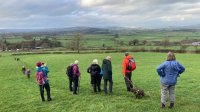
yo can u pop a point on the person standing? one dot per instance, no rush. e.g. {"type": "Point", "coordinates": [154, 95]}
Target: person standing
{"type": "Point", "coordinates": [23, 69]}
{"type": "Point", "coordinates": [76, 75]}
{"type": "Point", "coordinates": [107, 74]}
{"type": "Point", "coordinates": [69, 73]}
{"type": "Point", "coordinates": [168, 71]}
{"type": "Point", "coordinates": [42, 81]}
{"type": "Point", "coordinates": [95, 70]}
{"type": "Point", "coordinates": [28, 73]}
{"type": "Point", "coordinates": [128, 65]}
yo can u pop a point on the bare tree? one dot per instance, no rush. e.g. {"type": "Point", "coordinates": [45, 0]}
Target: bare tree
{"type": "Point", "coordinates": [166, 42]}
{"type": "Point", "coordinates": [77, 42]}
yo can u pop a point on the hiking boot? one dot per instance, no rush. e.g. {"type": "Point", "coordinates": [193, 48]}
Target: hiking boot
{"type": "Point", "coordinates": [74, 93]}
{"type": "Point", "coordinates": [49, 99]}
{"type": "Point", "coordinates": [171, 105]}
{"type": "Point", "coordinates": [163, 106]}
{"type": "Point", "coordinates": [43, 100]}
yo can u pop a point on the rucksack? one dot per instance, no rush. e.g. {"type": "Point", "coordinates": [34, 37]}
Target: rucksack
{"type": "Point", "coordinates": [40, 78]}
{"type": "Point", "coordinates": [131, 64]}
{"type": "Point", "coordinates": [69, 71]}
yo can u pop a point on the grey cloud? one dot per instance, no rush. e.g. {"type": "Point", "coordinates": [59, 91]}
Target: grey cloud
{"type": "Point", "coordinates": [55, 13]}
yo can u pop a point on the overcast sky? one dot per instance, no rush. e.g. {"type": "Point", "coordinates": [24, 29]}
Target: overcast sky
{"type": "Point", "coordinates": [98, 13]}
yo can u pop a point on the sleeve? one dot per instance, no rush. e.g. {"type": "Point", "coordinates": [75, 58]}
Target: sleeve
{"type": "Point", "coordinates": [123, 67]}
{"type": "Point", "coordinates": [181, 68]}
{"type": "Point", "coordinates": [89, 70]}
{"type": "Point", "coordinates": [109, 68]}
{"type": "Point", "coordinates": [160, 70]}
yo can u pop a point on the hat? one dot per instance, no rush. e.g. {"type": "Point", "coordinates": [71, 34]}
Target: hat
{"type": "Point", "coordinates": [95, 61]}
{"type": "Point", "coordinates": [76, 62]}
{"type": "Point", "coordinates": [38, 64]}
{"type": "Point", "coordinates": [126, 53]}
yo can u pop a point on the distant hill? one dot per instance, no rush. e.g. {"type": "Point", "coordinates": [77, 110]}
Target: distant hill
{"type": "Point", "coordinates": [92, 30]}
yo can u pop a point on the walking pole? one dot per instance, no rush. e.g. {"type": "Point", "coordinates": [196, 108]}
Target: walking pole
{"type": "Point", "coordinates": [79, 83]}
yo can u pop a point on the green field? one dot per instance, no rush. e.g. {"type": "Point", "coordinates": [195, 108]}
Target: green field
{"type": "Point", "coordinates": [17, 93]}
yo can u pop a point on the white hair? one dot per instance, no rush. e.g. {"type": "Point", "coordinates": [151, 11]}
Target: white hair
{"type": "Point", "coordinates": [108, 57]}
{"type": "Point", "coordinates": [95, 61]}
{"type": "Point", "coordinates": [76, 62]}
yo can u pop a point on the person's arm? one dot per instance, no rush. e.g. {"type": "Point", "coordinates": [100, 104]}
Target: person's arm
{"type": "Point", "coordinates": [181, 68]}
{"type": "Point", "coordinates": [123, 67]}
{"type": "Point", "coordinates": [89, 69]}
{"type": "Point", "coordinates": [160, 70]}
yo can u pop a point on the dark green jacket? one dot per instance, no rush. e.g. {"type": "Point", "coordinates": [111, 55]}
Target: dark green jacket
{"type": "Point", "coordinates": [107, 69]}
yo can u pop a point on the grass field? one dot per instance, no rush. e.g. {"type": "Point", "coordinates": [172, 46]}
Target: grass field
{"type": "Point", "coordinates": [17, 93]}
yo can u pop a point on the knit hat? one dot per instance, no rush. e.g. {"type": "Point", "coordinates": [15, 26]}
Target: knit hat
{"type": "Point", "coordinates": [38, 64]}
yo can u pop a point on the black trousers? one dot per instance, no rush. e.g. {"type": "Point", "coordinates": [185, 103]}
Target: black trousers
{"type": "Point", "coordinates": [75, 79]}
{"type": "Point", "coordinates": [110, 85]}
{"type": "Point", "coordinates": [92, 80]}
{"type": "Point", "coordinates": [96, 83]}
{"type": "Point", "coordinates": [47, 87]}
{"type": "Point", "coordinates": [99, 82]}
{"type": "Point", "coordinates": [127, 81]}
{"type": "Point", "coordinates": [70, 83]}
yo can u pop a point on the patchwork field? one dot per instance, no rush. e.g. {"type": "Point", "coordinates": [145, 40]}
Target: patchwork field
{"type": "Point", "coordinates": [17, 93]}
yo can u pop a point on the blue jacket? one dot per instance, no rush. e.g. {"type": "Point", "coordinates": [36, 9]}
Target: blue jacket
{"type": "Point", "coordinates": [169, 71]}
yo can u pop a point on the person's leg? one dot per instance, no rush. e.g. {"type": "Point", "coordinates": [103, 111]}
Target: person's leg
{"type": "Point", "coordinates": [41, 87]}
{"type": "Point", "coordinates": [99, 83]}
{"type": "Point", "coordinates": [95, 79]}
{"type": "Point", "coordinates": [92, 79]}
{"type": "Point", "coordinates": [28, 76]}
{"type": "Point", "coordinates": [164, 89]}
{"type": "Point", "coordinates": [105, 86]}
{"type": "Point", "coordinates": [47, 87]}
{"type": "Point", "coordinates": [128, 81]}
{"type": "Point", "coordinates": [172, 95]}
{"type": "Point", "coordinates": [70, 83]}
{"type": "Point", "coordinates": [110, 85]}
{"type": "Point", "coordinates": [75, 84]}
{"type": "Point", "coordinates": [129, 76]}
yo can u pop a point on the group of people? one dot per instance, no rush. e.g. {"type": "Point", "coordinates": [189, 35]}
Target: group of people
{"type": "Point", "coordinates": [168, 71]}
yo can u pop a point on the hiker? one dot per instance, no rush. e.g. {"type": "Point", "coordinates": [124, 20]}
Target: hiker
{"type": "Point", "coordinates": [76, 75]}
{"type": "Point", "coordinates": [107, 74]}
{"type": "Point", "coordinates": [42, 81]}
{"type": "Point", "coordinates": [28, 72]}
{"type": "Point", "coordinates": [69, 73]}
{"type": "Point", "coordinates": [128, 65]}
{"type": "Point", "coordinates": [46, 69]}
{"type": "Point", "coordinates": [23, 69]}
{"type": "Point", "coordinates": [95, 70]}
{"type": "Point", "coordinates": [168, 71]}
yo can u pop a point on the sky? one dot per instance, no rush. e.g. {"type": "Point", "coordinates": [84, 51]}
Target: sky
{"type": "Point", "coordinates": [98, 13]}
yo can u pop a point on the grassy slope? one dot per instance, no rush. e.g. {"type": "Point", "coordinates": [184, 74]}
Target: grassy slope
{"type": "Point", "coordinates": [17, 93]}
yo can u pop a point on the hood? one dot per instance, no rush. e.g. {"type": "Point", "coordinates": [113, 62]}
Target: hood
{"type": "Point", "coordinates": [174, 65]}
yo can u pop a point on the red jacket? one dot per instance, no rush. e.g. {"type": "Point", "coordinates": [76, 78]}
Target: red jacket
{"type": "Point", "coordinates": [125, 64]}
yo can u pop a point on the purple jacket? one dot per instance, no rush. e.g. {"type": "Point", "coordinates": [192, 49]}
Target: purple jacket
{"type": "Point", "coordinates": [76, 71]}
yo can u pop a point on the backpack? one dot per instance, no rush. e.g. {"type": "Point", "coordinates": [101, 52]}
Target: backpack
{"type": "Point", "coordinates": [40, 78]}
{"type": "Point", "coordinates": [131, 64]}
{"type": "Point", "coordinates": [69, 71]}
